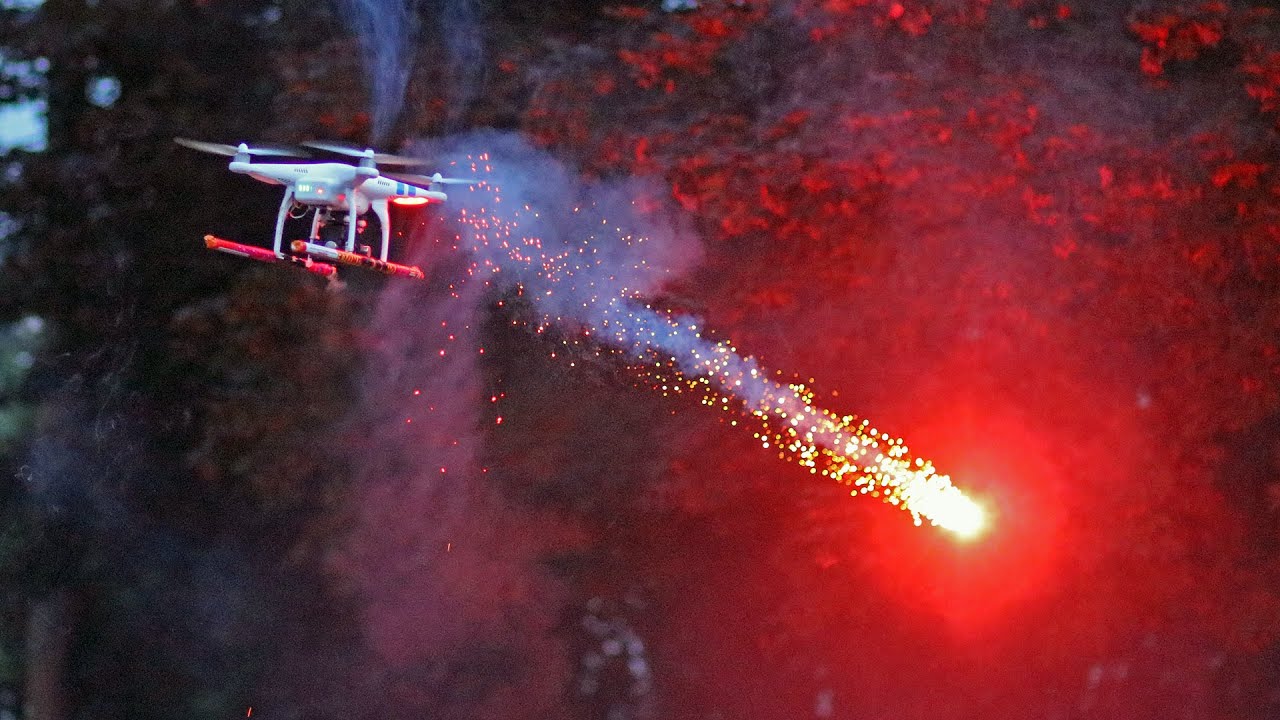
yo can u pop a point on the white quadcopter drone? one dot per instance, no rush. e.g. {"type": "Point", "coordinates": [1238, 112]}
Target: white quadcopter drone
{"type": "Point", "coordinates": [338, 193]}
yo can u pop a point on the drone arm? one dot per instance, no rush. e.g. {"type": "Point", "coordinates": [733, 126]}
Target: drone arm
{"type": "Point", "coordinates": [316, 223]}
{"type": "Point", "coordinates": [364, 173]}
{"type": "Point", "coordinates": [260, 177]}
{"type": "Point", "coordinates": [381, 209]}
{"type": "Point", "coordinates": [285, 204]}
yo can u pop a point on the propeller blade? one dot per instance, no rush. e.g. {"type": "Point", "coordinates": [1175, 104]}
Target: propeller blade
{"type": "Point", "coordinates": [428, 179]}
{"type": "Point", "coordinates": [215, 148]}
{"type": "Point", "coordinates": [232, 150]}
{"type": "Point", "coordinates": [358, 152]}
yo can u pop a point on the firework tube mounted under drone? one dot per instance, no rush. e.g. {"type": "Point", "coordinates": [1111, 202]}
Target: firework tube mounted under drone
{"type": "Point", "coordinates": [264, 255]}
{"type": "Point", "coordinates": [357, 260]}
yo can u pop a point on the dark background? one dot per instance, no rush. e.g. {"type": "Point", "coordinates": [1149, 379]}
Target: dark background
{"type": "Point", "coordinates": [1039, 240]}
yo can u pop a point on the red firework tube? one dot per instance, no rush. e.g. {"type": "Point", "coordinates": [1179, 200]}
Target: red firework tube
{"type": "Point", "coordinates": [350, 258]}
{"type": "Point", "coordinates": [234, 248]}
{"type": "Point", "coordinates": [254, 252]}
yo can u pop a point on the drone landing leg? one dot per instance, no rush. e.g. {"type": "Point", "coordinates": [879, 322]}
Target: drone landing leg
{"type": "Point", "coordinates": [284, 212]}
{"type": "Point", "coordinates": [384, 224]}
{"type": "Point", "coordinates": [316, 223]}
{"type": "Point", "coordinates": [351, 223]}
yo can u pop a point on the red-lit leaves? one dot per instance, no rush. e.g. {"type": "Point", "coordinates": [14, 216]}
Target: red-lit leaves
{"type": "Point", "coordinates": [1054, 277]}
{"type": "Point", "coordinates": [1262, 70]}
{"type": "Point", "coordinates": [1173, 38]}
{"type": "Point", "coordinates": [688, 45]}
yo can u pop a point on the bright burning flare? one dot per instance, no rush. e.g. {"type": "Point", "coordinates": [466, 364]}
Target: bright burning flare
{"type": "Point", "coordinates": [960, 515]}
{"type": "Point", "coordinates": [841, 447]}
{"type": "Point", "coordinates": [570, 282]}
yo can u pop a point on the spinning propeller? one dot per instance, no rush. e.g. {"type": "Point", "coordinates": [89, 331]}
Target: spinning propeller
{"type": "Point", "coordinates": [365, 154]}
{"type": "Point", "coordinates": [436, 179]}
{"type": "Point", "coordinates": [242, 149]}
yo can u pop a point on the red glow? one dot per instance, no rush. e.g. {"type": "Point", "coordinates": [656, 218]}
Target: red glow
{"type": "Point", "coordinates": [1025, 477]}
{"type": "Point", "coordinates": [411, 201]}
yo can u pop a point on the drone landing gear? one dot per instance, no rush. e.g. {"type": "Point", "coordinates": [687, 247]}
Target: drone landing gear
{"type": "Point", "coordinates": [333, 233]}
{"type": "Point", "coordinates": [323, 250]}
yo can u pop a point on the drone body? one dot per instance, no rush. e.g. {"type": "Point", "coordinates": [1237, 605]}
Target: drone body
{"type": "Point", "coordinates": [338, 194]}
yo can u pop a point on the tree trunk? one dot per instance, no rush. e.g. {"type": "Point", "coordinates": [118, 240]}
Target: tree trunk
{"type": "Point", "coordinates": [48, 639]}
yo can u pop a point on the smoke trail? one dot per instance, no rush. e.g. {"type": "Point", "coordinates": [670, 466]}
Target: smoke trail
{"type": "Point", "coordinates": [427, 528]}
{"type": "Point", "coordinates": [464, 42]}
{"type": "Point", "coordinates": [531, 224]}
{"type": "Point", "coordinates": [577, 246]}
{"type": "Point", "coordinates": [386, 30]}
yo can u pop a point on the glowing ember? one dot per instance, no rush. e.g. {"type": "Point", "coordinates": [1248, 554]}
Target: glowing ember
{"type": "Point", "coordinates": [843, 448]}
{"type": "Point", "coordinates": [572, 285]}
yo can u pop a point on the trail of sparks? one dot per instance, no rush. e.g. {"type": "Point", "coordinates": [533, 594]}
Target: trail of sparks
{"type": "Point", "coordinates": [572, 285]}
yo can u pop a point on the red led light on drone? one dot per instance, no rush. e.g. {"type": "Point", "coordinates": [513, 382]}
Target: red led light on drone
{"type": "Point", "coordinates": [411, 201]}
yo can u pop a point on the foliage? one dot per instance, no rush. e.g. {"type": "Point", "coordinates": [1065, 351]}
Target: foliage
{"type": "Point", "coordinates": [1039, 239]}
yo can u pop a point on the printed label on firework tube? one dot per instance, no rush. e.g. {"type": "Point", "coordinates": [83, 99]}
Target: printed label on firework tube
{"type": "Point", "coordinates": [356, 260]}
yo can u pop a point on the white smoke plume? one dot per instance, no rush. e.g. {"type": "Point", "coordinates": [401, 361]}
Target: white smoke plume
{"type": "Point", "coordinates": [386, 30]}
